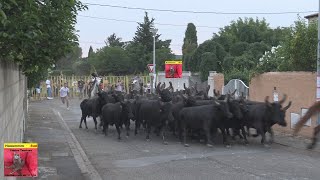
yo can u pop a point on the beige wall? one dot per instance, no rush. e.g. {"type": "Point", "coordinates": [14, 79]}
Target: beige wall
{"type": "Point", "coordinates": [216, 81]}
{"type": "Point", "coordinates": [13, 106]}
{"type": "Point", "coordinates": [300, 88]}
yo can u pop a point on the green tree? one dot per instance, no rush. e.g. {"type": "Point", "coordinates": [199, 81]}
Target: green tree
{"type": "Point", "coordinates": [301, 46]}
{"type": "Point", "coordinates": [207, 46]}
{"type": "Point", "coordinates": [82, 67]}
{"type": "Point", "coordinates": [114, 41]}
{"type": "Point", "coordinates": [90, 52]}
{"type": "Point", "coordinates": [209, 62]}
{"type": "Point", "coordinates": [190, 44]}
{"type": "Point", "coordinates": [66, 62]}
{"type": "Point", "coordinates": [141, 48]}
{"type": "Point", "coordinates": [35, 34]}
{"type": "Point", "coordinates": [111, 60]}
{"type": "Point", "coordinates": [144, 35]}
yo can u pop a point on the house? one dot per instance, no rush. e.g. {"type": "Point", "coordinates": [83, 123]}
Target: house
{"type": "Point", "coordinates": [312, 18]}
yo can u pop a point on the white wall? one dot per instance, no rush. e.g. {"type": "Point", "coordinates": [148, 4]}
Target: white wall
{"type": "Point", "coordinates": [13, 102]}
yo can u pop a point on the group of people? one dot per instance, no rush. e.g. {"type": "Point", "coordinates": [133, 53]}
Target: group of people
{"type": "Point", "coordinates": [83, 88]}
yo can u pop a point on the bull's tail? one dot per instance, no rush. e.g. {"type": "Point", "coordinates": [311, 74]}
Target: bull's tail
{"type": "Point", "coordinates": [312, 110]}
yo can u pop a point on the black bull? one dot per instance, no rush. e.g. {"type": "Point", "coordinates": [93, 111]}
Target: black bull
{"type": "Point", "coordinates": [262, 116]}
{"type": "Point", "coordinates": [206, 117]}
{"type": "Point", "coordinates": [117, 114]}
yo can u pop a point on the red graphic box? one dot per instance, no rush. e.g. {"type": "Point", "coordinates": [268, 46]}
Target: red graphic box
{"type": "Point", "coordinates": [173, 69]}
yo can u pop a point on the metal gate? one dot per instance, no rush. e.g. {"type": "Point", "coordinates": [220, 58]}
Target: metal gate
{"type": "Point", "coordinates": [236, 84]}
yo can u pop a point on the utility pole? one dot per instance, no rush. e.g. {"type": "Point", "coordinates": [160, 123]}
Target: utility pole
{"type": "Point", "coordinates": [318, 63]}
{"type": "Point", "coordinates": [154, 32]}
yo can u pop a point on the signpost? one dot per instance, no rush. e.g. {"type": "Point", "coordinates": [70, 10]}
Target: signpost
{"type": "Point", "coordinates": [150, 67]}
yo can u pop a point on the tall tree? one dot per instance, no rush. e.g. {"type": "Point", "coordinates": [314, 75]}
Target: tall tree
{"type": "Point", "coordinates": [190, 44]}
{"type": "Point", "coordinates": [114, 41]}
{"type": "Point", "coordinates": [141, 48]}
{"type": "Point", "coordinates": [66, 62]}
{"type": "Point", "coordinates": [90, 52]}
{"type": "Point", "coordinates": [144, 35]}
{"type": "Point", "coordinates": [35, 34]}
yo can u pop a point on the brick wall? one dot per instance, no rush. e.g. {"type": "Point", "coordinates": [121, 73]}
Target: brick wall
{"type": "Point", "coordinates": [300, 88]}
{"type": "Point", "coordinates": [13, 102]}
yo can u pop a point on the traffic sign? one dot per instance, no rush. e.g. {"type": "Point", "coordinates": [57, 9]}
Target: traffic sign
{"type": "Point", "coordinates": [150, 67]}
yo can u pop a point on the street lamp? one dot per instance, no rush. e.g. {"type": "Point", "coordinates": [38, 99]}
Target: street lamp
{"type": "Point", "coordinates": [318, 63]}
{"type": "Point", "coordinates": [154, 32]}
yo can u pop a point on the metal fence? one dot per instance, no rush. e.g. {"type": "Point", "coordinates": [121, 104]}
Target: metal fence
{"type": "Point", "coordinates": [236, 84]}
{"type": "Point", "coordinates": [58, 81]}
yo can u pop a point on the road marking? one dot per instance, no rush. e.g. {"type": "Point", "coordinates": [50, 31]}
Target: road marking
{"type": "Point", "coordinates": [78, 153]}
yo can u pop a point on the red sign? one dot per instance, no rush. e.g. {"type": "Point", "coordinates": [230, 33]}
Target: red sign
{"type": "Point", "coordinates": [150, 67]}
{"type": "Point", "coordinates": [173, 69]}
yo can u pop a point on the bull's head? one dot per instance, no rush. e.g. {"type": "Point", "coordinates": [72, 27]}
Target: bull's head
{"type": "Point", "coordinates": [166, 111]}
{"type": "Point", "coordinates": [235, 109]}
{"type": "Point", "coordinates": [275, 111]}
{"type": "Point", "coordinates": [224, 106]}
{"type": "Point", "coordinates": [127, 109]}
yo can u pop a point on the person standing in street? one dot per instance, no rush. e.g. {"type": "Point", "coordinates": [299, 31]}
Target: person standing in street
{"type": "Point", "coordinates": [80, 86]}
{"type": "Point", "coordinates": [64, 94]}
{"type": "Point", "coordinates": [119, 86]}
{"type": "Point", "coordinates": [49, 90]}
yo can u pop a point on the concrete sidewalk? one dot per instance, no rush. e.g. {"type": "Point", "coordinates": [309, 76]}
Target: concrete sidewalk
{"type": "Point", "coordinates": [56, 158]}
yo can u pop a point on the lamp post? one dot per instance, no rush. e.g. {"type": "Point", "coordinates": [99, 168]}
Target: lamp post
{"type": "Point", "coordinates": [154, 32]}
{"type": "Point", "coordinates": [318, 63]}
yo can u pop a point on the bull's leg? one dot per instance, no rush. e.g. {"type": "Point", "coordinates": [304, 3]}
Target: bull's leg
{"type": "Point", "coordinates": [224, 137]}
{"type": "Point", "coordinates": [101, 122]}
{"type": "Point", "coordinates": [248, 131]}
{"type": "Point", "coordinates": [185, 137]}
{"type": "Point", "coordinates": [244, 135]}
{"type": "Point", "coordinates": [128, 128]}
{"type": "Point", "coordinates": [137, 123]}
{"type": "Point", "coordinates": [85, 122]}
{"type": "Point", "coordinates": [95, 123]}
{"type": "Point", "coordinates": [164, 129]}
{"type": "Point", "coordinates": [314, 138]}
{"type": "Point", "coordinates": [271, 135]}
{"type": "Point", "coordinates": [263, 136]}
{"type": "Point", "coordinates": [148, 126]}
{"type": "Point", "coordinates": [80, 126]}
{"type": "Point", "coordinates": [105, 128]}
{"type": "Point", "coordinates": [227, 131]}
{"type": "Point", "coordinates": [208, 136]}
{"type": "Point", "coordinates": [119, 131]}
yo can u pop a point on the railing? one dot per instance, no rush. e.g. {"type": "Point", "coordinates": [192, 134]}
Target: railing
{"type": "Point", "coordinates": [58, 81]}
{"type": "Point", "coordinates": [236, 84]}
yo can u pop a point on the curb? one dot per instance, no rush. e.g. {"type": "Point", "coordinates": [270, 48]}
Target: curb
{"type": "Point", "coordinates": [79, 155]}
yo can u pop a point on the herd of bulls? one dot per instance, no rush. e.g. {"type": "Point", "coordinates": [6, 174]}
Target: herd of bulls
{"type": "Point", "coordinates": [185, 112]}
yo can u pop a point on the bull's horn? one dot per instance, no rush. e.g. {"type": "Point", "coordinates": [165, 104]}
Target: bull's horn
{"type": "Point", "coordinates": [287, 107]}
{"type": "Point", "coordinates": [232, 94]}
{"type": "Point", "coordinates": [226, 99]}
{"type": "Point", "coordinates": [184, 85]}
{"type": "Point", "coordinates": [163, 86]}
{"type": "Point", "coordinates": [158, 87]}
{"type": "Point", "coordinates": [216, 102]}
{"type": "Point", "coordinates": [283, 99]}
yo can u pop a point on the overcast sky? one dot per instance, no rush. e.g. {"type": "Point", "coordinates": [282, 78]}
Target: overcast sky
{"type": "Point", "coordinates": [93, 31]}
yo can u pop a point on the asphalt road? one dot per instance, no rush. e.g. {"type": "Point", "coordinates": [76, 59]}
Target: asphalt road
{"type": "Point", "coordinates": [136, 158]}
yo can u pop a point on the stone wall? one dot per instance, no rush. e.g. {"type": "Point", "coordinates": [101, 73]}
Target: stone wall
{"type": "Point", "coordinates": [300, 88]}
{"type": "Point", "coordinates": [216, 81]}
{"type": "Point", "coordinates": [13, 106]}
{"type": "Point", "coordinates": [177, 83]}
